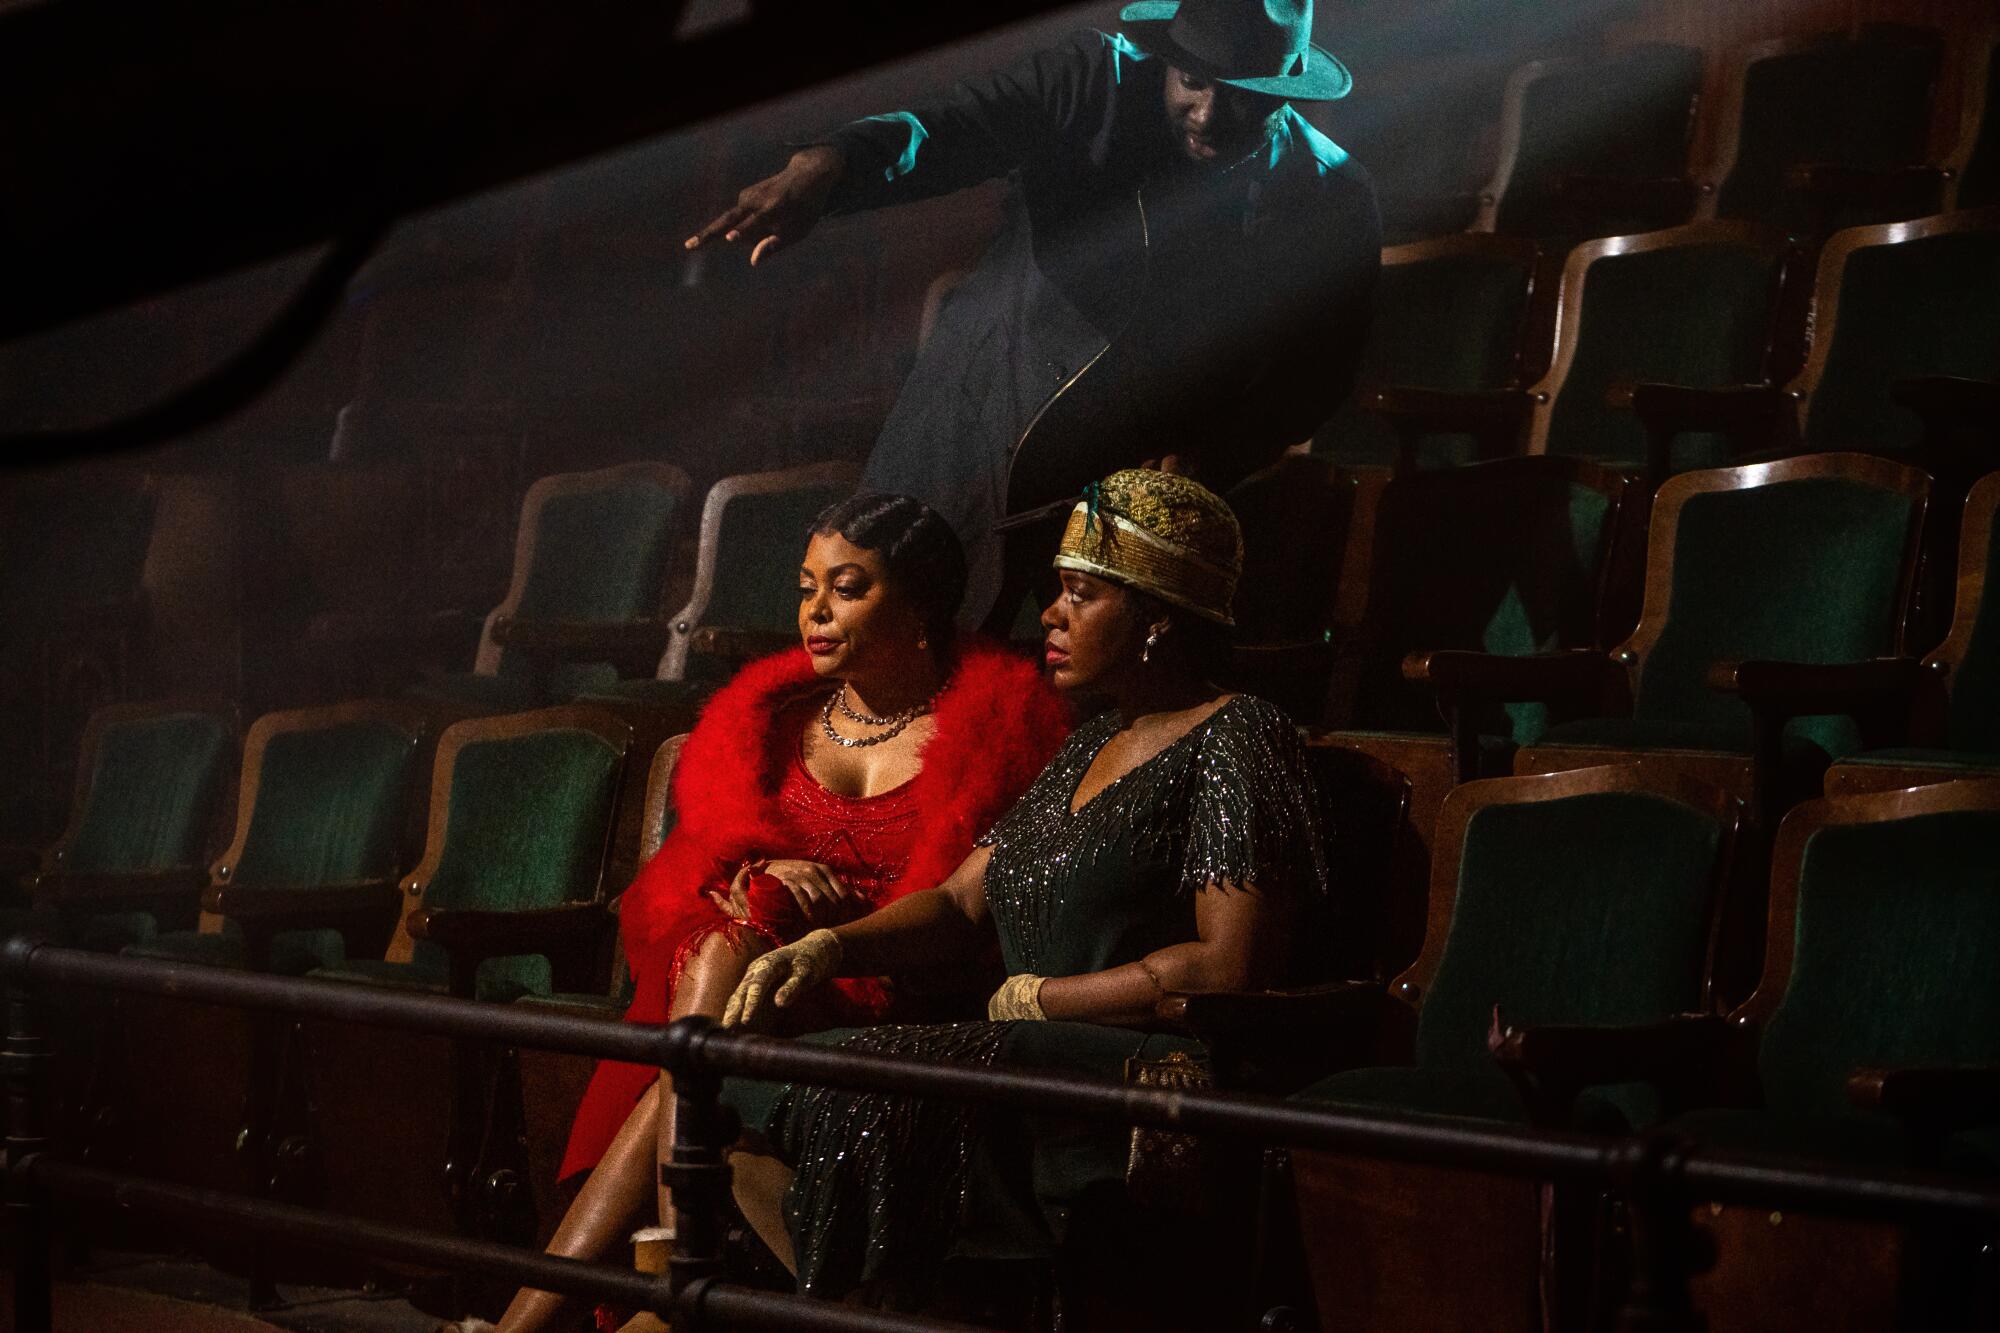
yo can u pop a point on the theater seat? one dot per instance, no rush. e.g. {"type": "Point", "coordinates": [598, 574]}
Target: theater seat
{"type": "Point", "coordinates": [1873, 1037]}
{"type": "Point", "coordinates": [552, 1082]}
{"type": "Point", "coordinates": [744, 604]}
{"type": "Point", "coordinates": [1958, 709]}
{"type": "Point", "coordinates": [587, 600]}
{"type": "Point", "coordinates": [1695, 305]}
{"type": "Point", "coordinates": [324, 822]}
{"type": "Point", "coordinates": [508, 898]}
{"type": "Point", "coordinates": [1774, 610]}
{"type": "Point", "coordinates": [1591, 894]}
{"type": "Point", "coordinates": [507, 901]}
{"type": "Point", "coordinates": [152, 781]}
{"type": "Point", "coordinates": [1451, 315]}
{"type": "Point", "coordinates": [1524, 573]}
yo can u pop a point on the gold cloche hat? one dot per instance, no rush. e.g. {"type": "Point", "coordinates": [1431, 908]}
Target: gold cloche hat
{"type": "Point", "coordinates": [1161, 533]}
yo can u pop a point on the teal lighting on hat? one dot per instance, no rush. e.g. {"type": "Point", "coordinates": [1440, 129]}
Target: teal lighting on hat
{"type": "Point", "coordinates": [1264, 46]}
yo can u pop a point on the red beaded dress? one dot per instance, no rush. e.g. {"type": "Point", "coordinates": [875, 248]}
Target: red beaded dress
{"type": "Point", "coordinates": [865, 840]}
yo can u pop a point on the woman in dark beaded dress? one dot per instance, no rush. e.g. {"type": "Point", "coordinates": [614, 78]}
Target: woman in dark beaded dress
{"type": "Point", "coordinates": [1169, 846]}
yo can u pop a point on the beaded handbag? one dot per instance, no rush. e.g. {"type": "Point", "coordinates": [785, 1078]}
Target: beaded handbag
{"type": "Point", "coordinates": [1168, 1170]}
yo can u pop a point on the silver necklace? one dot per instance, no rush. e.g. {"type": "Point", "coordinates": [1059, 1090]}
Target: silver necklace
{"type": "Point", "coordinates": [896, 722]}
{"type": "Point", "coordinates": [840, 702]}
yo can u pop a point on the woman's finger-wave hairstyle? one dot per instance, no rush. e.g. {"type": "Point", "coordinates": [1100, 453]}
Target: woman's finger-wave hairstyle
{"type": "Point", "coordinates": [922, 552]}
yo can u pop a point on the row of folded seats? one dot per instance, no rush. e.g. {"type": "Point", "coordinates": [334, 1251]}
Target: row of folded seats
{"type": "Point", "coordinates": [1489, 935]}
{"type": "Point", "coordinates": [1811, 133]}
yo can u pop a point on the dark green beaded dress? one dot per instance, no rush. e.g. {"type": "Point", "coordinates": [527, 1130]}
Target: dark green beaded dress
{"type": "Point", "coordinates": [888, 1187]}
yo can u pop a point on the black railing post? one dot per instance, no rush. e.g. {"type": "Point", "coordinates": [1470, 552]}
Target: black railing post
{"type": "Point", "coordinates": [30, 1227]}
{"type": "Point", "coordinates": [698, 1175]}
{"type": "Point", "coordinates": [1647, 1172]}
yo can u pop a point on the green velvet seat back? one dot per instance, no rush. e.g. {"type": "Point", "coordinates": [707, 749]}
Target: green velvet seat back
{"type": "Point", "coordinates": [1974, 720]}
{"type": "Point", "coordinates": [1590, 909]}
{"type": "Point", "coordinates": [757, 557]}
{"type": "Point", "coordinates": [1979, 184]}
{"type": "Point", "coordinates": [528, 817]}
{"type": "Point", "coordinates": [1807, 570]}
{"type": "Point", "coordinates": [1453, 322]}
{"type": "Point", "coordinates": [1626, 117]}
{"type": "Point", "coordinates": [1862, 103]}
{"type": "Point", "coordinates": [1785, 120]}
{"type": "Point", "coordinates": [1898, 927]}
{"type": "Point", "coordinates": [1923, 307]}
{"type": "Point", "coordinates": [151, 801]}
{"type": "Point", "coordinates": [1541, 538]}
{"type": "Point", "coordinates": [331, 806]}
{"type": "Point", "coordinates": [1698, 314]}
{"type": "Point", "coordinates": [600, 556]}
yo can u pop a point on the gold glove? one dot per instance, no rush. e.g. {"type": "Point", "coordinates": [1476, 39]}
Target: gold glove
{"type": "Point", "coordinates": [807, 962]}
{"type": "Point", "coordinates": [1019, 997]}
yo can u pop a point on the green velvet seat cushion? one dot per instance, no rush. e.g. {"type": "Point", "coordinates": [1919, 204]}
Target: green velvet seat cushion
{"type": "Point", "coordinates": [1855, 1138]}
{"type": "Point", "coordinates": [1448, 1092]}
{"type": "Point", "coordinates": [1811, 742]}
{"type": "Point", "coordinates": [1967, 761]}
{"type": "Point", "coordinates": [293, 952]}
{"type": "Point", "coordinates": [109, 932]}
{"type": "Point", "coordinates": [500, 980]}
{"type": "Point", "coordinates": [1475, 1095]}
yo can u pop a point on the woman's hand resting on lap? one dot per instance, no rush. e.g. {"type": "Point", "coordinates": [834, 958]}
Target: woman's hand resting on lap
{"type": "Point", "coordinates": [820, 896]}
{"type": "Point", "coordinates": [780, 976]}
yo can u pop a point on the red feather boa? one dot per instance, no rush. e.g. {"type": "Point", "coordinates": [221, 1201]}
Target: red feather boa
{"type": "Point", "coordinates": [998, 724]}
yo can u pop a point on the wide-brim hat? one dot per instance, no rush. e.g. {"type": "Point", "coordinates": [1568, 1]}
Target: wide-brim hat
{"type": "Point", "coordinates": [1264, 46]}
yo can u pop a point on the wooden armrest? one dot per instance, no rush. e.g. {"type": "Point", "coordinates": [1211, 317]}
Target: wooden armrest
{"type": "Point", "coordinates": [1805, 689]}
{"type": "Point", "coordinates": [63, 889]}
{"type": "Point", "coordinates": [477, 934]}
{"type": "Point", "coordinates": [1669, 198]}
{"type": "Point", "coordinates": [1912, 188]}
{"type": "Point", "coordinates": [1577, 676]}
{"type": "Point", "coordinates": [1211, 1015]}
{"type": "Point", "coordinates": [583, 640]}
{"type": "Point", "coordinates": [1674, 408]}
{"type": "Point", "coordinates": [1949, 403]}
{"type": "Point", "coordinates": [724, 641]}
{"type": "Point", "coordinates": [1685, 1057]}
{"type": "Point", "coordinates": [296, 908]}
{"type": "Point", "coordinates": [1412, 410]}
{"type": "Point", "coordinates": [1934, 1100]}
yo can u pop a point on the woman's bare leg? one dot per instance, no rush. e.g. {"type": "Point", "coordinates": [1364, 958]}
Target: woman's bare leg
{"type": "Point", "coordinates": [614, 1197]}
{"type": "Point", "coordinates": [760, 1182]}
{"type": "Point", "coordinates": [611, 1200]}
{"type": "Point", "coordinates": [706, 984]}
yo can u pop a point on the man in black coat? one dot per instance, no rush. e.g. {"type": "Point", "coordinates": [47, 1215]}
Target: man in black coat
{"type": "Point", "coordinates": [1185, 273]}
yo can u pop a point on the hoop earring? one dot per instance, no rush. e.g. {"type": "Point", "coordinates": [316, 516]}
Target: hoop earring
{"type": "Point", "coordinates": [1152, 642]}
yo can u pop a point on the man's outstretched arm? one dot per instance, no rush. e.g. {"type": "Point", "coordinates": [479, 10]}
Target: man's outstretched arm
{"type": "Point", "coordinates": [981, 129]}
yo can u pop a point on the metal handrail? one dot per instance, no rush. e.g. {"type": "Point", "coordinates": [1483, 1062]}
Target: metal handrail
{"type": "Point", "coordinates": [1660, 1175]}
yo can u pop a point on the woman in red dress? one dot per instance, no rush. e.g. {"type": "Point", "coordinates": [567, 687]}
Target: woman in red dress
{"type": "Point", "coordinates": [817, 786]}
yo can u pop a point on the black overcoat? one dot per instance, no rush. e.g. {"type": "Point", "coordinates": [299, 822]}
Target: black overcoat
{"type": "Point", "coordinates": [1245, 287]}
